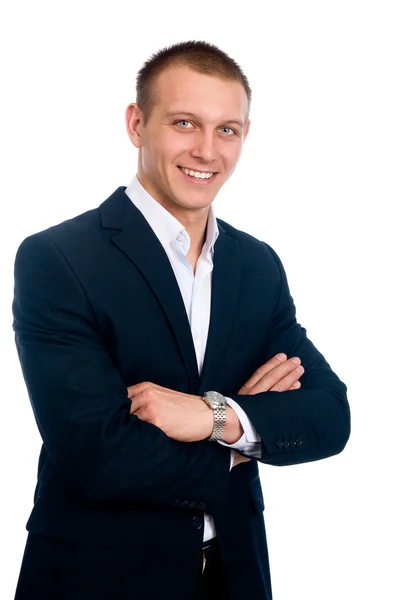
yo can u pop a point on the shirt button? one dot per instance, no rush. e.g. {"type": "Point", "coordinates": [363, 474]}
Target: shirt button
{"type": "Point", "coordinates": [179, 238]}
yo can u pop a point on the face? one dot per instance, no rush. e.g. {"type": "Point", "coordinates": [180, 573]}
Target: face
{"type": "Point", "coordinates": [208, 140]}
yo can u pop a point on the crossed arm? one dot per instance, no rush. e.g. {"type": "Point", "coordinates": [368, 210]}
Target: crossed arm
{"type": "Point", "coordinates": [186, 418]}
{"type": "Point", "coordinates": [82, 410]}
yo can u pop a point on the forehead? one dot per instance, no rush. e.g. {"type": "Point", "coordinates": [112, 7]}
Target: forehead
{"type": "Point", "coordinates": [180, 88]}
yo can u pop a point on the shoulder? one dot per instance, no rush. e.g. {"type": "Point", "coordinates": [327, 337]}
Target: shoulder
{"type": "Point", "coordinates": [46, 250]}
{"type": "Point", "coordinates": [251, 247]}
{"type": "Point", "coordinates": [69, 230]}
{"type": "Point", "coordinates": [76, 234]}
{"type": "Point", "coordinates": [86, 230]}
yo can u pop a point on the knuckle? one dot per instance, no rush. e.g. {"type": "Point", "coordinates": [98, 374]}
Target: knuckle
{"type": "Point", "coordinates": [149, 393]}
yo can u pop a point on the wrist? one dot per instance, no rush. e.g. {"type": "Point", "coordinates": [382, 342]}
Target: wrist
{"type": "Point", "coordinates": [233, 430]}
{"type": "Point", "coordinates": [217, 403]}
{"type": "Point", "coordinates": [208, 421]}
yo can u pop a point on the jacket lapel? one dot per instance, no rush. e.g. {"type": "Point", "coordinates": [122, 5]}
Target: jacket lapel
{"type": "Point", "coordinates": [135, 238]}
{"type": "Point", "coordinates": [226, 283]}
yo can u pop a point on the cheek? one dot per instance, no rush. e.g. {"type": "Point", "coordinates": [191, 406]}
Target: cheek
{"type": "Point", "coordinates": [234, 152]}
{"type": "Point", "coordinates": [169, 146]}
{"type": "Point", "coordinates": [233, 156]}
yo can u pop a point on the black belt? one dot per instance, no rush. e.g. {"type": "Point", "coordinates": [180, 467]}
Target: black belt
{"type": "Point", "coordinates": [209, 543]}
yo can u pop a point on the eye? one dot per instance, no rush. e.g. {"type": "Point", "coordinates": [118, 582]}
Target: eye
{"type": "Point", "coordinates": [181, 121]}
{"type": "Point", "coordinates": [234, 132]}
{"type": "Point", "coordinates": [231, 129]}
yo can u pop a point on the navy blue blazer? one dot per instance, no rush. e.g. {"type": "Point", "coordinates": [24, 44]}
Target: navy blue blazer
{"type": "Point", "coordinates": [97, 308]}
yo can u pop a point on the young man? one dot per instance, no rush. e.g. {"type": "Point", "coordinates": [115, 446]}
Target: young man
{"type": "Point", "coordinates": [151, 335]}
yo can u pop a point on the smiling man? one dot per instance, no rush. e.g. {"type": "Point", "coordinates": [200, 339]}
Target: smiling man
{"type": "Point", "coordinates": [189, 143]}
{"type": "Point", "coordinates": [153, 339]}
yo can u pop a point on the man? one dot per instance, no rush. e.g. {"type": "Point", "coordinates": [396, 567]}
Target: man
{"type": "Point", "coordinates": [151, 335]}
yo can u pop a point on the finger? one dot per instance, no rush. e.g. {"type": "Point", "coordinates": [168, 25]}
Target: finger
{"type": "Point", "coordinates": [275, 375]}
{"type": "Point", "coordinates": [134, 390]}
{"type": "Point", "coordinates": [135, 406]}
{"type": "Point", "coordinates": [262, 370]}
{"type": "Point", "coordinates": [289, 380]}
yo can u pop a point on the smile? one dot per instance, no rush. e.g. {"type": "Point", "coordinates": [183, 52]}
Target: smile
{"type": "Point", "coordinates": [198, 176]}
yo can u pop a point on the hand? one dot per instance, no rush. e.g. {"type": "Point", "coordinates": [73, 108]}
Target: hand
{"type": "Point", "coordinates": [238, 458]}
{"type": "Point", "coordinates": [275, 376]}
{"type": "Point", "coordinates": [182, 417]}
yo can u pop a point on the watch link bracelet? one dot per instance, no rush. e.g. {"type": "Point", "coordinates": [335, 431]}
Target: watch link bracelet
{"type": "Point", "coordinates": [218, 404]}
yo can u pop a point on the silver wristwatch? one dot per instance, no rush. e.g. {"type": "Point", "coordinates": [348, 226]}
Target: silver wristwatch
{"type": "Point", "coordinates": [218, 404]}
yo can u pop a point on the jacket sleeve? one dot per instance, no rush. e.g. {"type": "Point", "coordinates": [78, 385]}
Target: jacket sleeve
{"type": "Point", "coordinates": [80, 401]}
{"type": "Point", "coordinates": [301, 425]}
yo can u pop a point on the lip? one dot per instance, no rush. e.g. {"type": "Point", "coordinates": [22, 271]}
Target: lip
{"type": "Point", "coordinates": [197, 170]}
{"type": "Point", "coordinates": [198, 181]}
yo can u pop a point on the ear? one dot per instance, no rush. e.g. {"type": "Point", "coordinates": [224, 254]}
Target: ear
{"type": "Point", "coordinates": [133, 122]}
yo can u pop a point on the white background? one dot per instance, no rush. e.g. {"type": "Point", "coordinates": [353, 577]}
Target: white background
{"type": "Point", "coordinates": [319, 180]}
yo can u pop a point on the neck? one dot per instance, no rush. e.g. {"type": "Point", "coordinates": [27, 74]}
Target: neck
{"type": "Point", "coordinates": [194, 221]}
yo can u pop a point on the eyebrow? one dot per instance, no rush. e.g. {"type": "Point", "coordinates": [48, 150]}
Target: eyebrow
{"type": "Point", "coordinates": [190, 114]}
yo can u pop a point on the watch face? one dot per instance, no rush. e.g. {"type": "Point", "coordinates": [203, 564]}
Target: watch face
{"type": "Point", "coordinates": [216, 399]}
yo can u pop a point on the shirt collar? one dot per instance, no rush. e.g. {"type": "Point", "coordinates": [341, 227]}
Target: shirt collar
{"type": "Point", "coordinates": [166, 227]}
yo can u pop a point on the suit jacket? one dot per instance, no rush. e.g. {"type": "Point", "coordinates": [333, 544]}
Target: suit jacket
{"type": "Point", "coordinates": [97, 308]}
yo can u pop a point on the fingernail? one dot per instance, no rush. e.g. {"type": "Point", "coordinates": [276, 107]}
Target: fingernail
{"type": "Point", "coordinates": [300, 369]}
{"type": "Point", "coordinates": [296, 360]}
{"type": "Point", "coordinates": [281, 356]}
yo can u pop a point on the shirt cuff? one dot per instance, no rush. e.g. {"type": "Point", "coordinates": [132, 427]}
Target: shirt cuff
{"type": "Point", "coordinates": [250, 435]}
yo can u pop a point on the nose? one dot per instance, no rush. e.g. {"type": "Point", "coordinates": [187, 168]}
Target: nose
{"type": "Point", "coordinates": [204, 147]}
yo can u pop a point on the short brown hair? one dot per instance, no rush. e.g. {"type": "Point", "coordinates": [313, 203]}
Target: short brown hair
{"type": "Point", "coordinates": [197, 55]}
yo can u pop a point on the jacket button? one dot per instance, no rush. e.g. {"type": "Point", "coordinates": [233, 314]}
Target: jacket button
{"type": "Point", "coordinates": [193, 505]}
{"type": "Point", "coordinates": [298, 441]}
{"type": "Point", "coordinates": [201, 506]}
{"type": "Point", "coordinates": [185, 504]}
{"type": "Point", "coordinates": [279, 444]}
{"type": "Point", "coordinates": [292, 443]}
{"type": "Point", "coordinates": [286, 444]}
{"type": "Point", "coordinates": [197, 523]}
{"type": "Point", "coordinates": [177, 503]}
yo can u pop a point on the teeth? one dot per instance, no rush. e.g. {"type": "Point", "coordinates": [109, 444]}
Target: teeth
{"type": "Point", "coordinates": [197, 174]}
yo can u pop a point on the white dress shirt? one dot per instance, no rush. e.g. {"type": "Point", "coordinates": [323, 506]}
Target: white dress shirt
{"type": "Point", "coordinates": [196, 294]}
